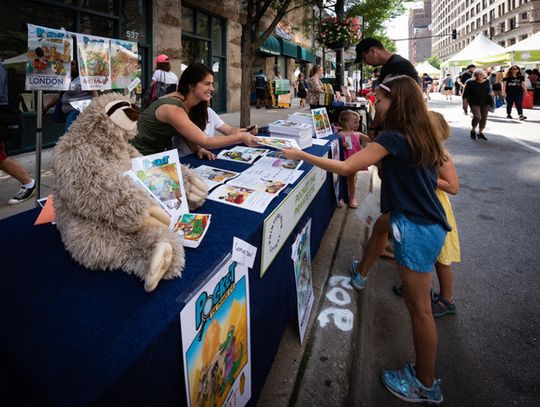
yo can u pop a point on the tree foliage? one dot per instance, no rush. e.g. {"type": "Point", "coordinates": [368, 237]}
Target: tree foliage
{"type": "Point", "coordinates": [435, 61]}
{"type": "Point", "coordinates": [375, 14]}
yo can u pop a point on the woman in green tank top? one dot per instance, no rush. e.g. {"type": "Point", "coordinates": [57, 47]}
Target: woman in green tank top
{"type": "Point", "coordinates": [184, 114]}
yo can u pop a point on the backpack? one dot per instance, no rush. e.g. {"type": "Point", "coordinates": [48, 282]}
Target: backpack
{"type": "Point", "coordinates": [159, 89]}
{"type": "Point", "coordinates": [260, 82]}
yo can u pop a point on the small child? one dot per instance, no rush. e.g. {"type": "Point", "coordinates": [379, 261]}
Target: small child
{"type": "Point", "coordinates": [351, 139]}
{"type": "Point", "coordinates": [443, 303]}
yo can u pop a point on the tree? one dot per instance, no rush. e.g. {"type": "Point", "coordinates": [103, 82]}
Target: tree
{"type": "Point", "coordinates": [254, 11]}
{"type": "Point", "coordinates": [435, 61]}
{"type": "Point", "coordinates": [375, 14]}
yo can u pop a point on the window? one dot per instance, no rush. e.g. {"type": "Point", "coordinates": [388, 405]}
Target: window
{"type": "Point", "coordinates": [512, 23]}
{"type": "Point", "coordinates": [512, 41]}
{"type": "Point", "coordinates": [502, 27]}
{"type": "Point", "coordinates": [524, 37]}
{"type": "Point", "coordinates": [524, 16]}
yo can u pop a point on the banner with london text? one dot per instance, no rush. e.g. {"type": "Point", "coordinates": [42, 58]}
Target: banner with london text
{"type": "Point", "coordinates": [49, 54]}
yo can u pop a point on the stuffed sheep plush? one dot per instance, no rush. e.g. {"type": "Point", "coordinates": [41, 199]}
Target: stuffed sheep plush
{"type": "Point", "coordinates": [105, 220]}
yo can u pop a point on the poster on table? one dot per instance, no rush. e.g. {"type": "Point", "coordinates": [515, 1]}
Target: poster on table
{"type": "Point", "coordinates": [240, 154]}
{"type": "Point", "coordinates": [214, 176]}
{"type": "Point", "coordinates": [242, 197]}
{"type": "Point", "coordinates": [334, 153]}
{"type": "Point", "coordinates": [216, 339]}
{"type": "Point", "coordinates": [278, 160]}
{"type": "Point", "coordinates": [94, 62]}
{"type": "Point", "coordinates": [321, 122]}
{"type": "Point", "coordinates": [124, 63]}
{"type": "Point", "coordinates": [49, 59]}
{"type": "Point", "coordinates": [301, 255]}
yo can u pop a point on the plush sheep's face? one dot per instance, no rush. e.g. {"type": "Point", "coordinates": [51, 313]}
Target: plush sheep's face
{"type": "Point", "coordinates": [123, 113]}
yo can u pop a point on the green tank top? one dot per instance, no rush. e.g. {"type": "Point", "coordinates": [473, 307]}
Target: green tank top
{"type": "Point", "coordinates": [154, 136]}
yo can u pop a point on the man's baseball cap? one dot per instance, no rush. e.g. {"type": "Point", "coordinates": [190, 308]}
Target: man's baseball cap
{"type": "Point", "coordinates": [162, 58]}
{"type": "Point", "coordinates": [363, 46]}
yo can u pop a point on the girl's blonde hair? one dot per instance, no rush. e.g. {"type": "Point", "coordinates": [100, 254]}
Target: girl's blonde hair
{"type": "Point", "coordinates": [441, 125]}
{"type": "Point", "coordinates": [408, 114]}
{"type": "Point", "coordinates": [346, 115]}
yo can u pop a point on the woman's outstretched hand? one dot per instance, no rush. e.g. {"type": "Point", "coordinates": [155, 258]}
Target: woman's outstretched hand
{"type": "Point", "coordinates": [250, 140]}
{"type": "Point", "coordinates": [203, 153]}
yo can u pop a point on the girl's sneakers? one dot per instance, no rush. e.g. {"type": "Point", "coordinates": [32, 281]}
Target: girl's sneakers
{"type": "Point", "coordinates": [405, 385]}
{"type": "Point", "coordinates": [440, 307]}
{"type": "Point", "coordinates": [357, 281]}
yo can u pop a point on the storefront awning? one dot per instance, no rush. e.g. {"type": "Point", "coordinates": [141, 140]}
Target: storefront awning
{"type": "Point", "coordinates": [288, 48]}
{"type": "Point", "coordinates": [305, 55]}
{"type": "Point", "coordinates": [271, 46]}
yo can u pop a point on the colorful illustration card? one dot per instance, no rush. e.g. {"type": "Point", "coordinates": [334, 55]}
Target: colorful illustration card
{"type": "Point", "coordinates": [94, 62]}
{"type": "Point", "coordinates": [49, 59]}
{"type": "Point", "coordinates": [301, 255]}
{"type": "Point", "coordinates": [257, 183]}
{"type": "Point", "coordinates": [242, 197]}
{"type": "Point", "coordinates": [278, 159]}
{"type": "Point", "coordinates": [321, 122]}
{"type": "Point", "coordinates": [192, 227]}
{"type": "Point", "coordinates": [214, 176]}
{"type": "Point", "coordinates": [216, 348]}
{"type": "Point", "coordinates": [124, 63]}
{"type": "Point", "coordinates": [161, 174]}
{"type": "Point", "coordinates": [278, 142]}
{"type": "Point", "coordinates": [245, 155]}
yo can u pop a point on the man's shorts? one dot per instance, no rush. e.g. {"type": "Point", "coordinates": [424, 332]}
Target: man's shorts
{"type": "Point", "coordinates": [416, 246]}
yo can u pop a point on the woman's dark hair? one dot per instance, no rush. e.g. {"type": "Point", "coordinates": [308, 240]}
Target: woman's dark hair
{"type": "Point", "coordinates": [164, 66]}
{"type": "Point", "coordinates": [194, 74]}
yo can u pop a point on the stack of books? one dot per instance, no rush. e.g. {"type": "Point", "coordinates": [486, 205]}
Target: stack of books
{"type": "Point", "coordinates": [302, 117]}
{"type": "Point", "coordinates": [300, 132]}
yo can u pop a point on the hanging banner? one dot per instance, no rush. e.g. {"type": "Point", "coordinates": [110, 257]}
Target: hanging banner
{"type": "Point", "coordinates": [301, 255]}
{"type": "Point", "coordinates": [49, 59]}
{"type": "Point", "coordinates": [124, 63]}
{"type": "Point", "coordinates": [216, 339]}
{"type": "Point", "coordinates": [94, 62]}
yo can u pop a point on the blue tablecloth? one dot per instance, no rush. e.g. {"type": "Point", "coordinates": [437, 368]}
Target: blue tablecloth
{"type": "Point", "coordinates": [77, 337]}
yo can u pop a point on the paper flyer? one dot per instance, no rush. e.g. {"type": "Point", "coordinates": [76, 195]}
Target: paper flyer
{"type": "Point", "coordinates": [301, 256]}
{"type": "Point", "coordinates": [278, 159]}
{"type": "Point", "coordinates": [215, 327]}
{"type": "Point", "coordinates": [124, 63]}
{"type": "Point", "coordinates": [257, 183]}
{"type": "Point", "coordinates": [321, 122]}
{"type": "Point", "coordinates": [278, 142]}
{"type": "Point", "coordinates": [273, 173]}
{"type": "Point", "coordinates": [161, 174]}
{"type": "Point", "coordinates": [94, 62]}
{"type": "Point", "coordinates": [49, 59]}
{"type": "Point", "coordinates": [192, 227]}
{"type": "Point", "coordinates": [245, 155]}
{"type": "Point", "coordinates": [214, 176]}
{"type": "Point", "coordinates": [246, 198]}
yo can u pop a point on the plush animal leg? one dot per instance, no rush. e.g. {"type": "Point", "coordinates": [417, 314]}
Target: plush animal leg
{"type": "Point", "coordinates": [161, 260]}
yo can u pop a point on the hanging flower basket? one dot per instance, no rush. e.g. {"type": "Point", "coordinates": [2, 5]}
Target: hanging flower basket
{"type": "Point", "coordinates": [336, 33]}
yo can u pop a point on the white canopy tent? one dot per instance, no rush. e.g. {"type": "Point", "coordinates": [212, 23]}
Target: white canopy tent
{"type": "Point", "coordinates": [526, 52]}
{"type": "Point", "coordinates": [480, 47]}
{"type": "Point", "coordinates": [426, 67]}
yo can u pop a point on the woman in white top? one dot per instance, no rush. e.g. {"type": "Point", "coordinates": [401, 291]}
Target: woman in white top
{"type": "Point", "coordinates": [163, 73]}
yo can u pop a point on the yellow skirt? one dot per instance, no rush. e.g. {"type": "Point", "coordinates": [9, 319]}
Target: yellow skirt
{"type": "Point", "coordinates": [450, 252]}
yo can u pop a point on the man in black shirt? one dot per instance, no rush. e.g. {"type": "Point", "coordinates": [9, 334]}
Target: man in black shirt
{"type": "Point", "coordinates": [463, 78]}
{"type": "Point", "coordinates": [372, 52]}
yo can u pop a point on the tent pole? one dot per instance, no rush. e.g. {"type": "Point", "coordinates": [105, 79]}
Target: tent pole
{"type": "Point", "coordinates": [39, 124]}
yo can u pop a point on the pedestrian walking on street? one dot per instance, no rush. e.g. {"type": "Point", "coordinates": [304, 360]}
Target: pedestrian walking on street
{"type": "Point", "coordinates": [411, 152]}
{"type": "Point", "coordinates": [301, 88]}
{"type": "Point", "coordinates": [315, 87]}
{"type": "Point", "coordinates": [448, 85]}
{"type": "Point", "coordinates": [513, 89]}
{"type": "Point", "coordinates": [479, 96]}
{"type": "Point", "coordinates": [462, 80]}
{"type": "Point", "coordinates": [427, 82]}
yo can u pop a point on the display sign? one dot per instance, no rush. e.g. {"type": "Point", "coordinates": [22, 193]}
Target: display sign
{"type": "Point", "coordinates": [321, 122]}
{"type": "Point", "coordinates": [94, 62]}
{"type": "Point", "coordinates": [215, 326]}
{"type": "Point", "coordinates": [281, 222]}
{"type": "Point", "coordinates": [301, 255]}
{"type": "Point", "coordinates": [124, 64]}
{"type": "Point", "coordinates": [49, 59]}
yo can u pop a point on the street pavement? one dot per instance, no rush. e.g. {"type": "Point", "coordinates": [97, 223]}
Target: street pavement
{"type": "Point", "coordinates": [488, 352]}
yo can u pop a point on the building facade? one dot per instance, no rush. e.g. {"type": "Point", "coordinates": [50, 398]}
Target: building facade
{"type": "Point", "coordinates": [420, 33]}
{"type": "Point", "coordinates": [503, 21]}
{"type": "Point", "coordinates": [187, 31]}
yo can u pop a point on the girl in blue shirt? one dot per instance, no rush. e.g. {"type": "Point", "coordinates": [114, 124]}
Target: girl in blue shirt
{"type": "Point", "coordinates": [410, 152]}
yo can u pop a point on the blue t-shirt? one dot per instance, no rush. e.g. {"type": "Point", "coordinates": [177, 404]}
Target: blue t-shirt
{"type": "Point", "coordinates": [407, 188]}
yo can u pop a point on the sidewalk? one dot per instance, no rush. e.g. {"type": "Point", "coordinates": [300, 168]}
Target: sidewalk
{"type": "Point", "coordinates": [10, 186]}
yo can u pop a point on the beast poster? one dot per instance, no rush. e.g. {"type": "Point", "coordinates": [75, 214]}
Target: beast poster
{"type": "Point", "coordinates": [94, 62]}
{"type": "Point", "coordinates": [124, 63]}
{"type": "Point", "coordinates": [215, 339]}
{"type": "Point", "coordinates": [49, 59]}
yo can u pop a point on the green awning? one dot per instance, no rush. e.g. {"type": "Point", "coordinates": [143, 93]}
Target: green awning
{"type": "Point", "coordinates": [271, 46]}
{"type": "Point", "coordinates": [305, 55]}
{"type": "Point", "coordinates": [288, 48]}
